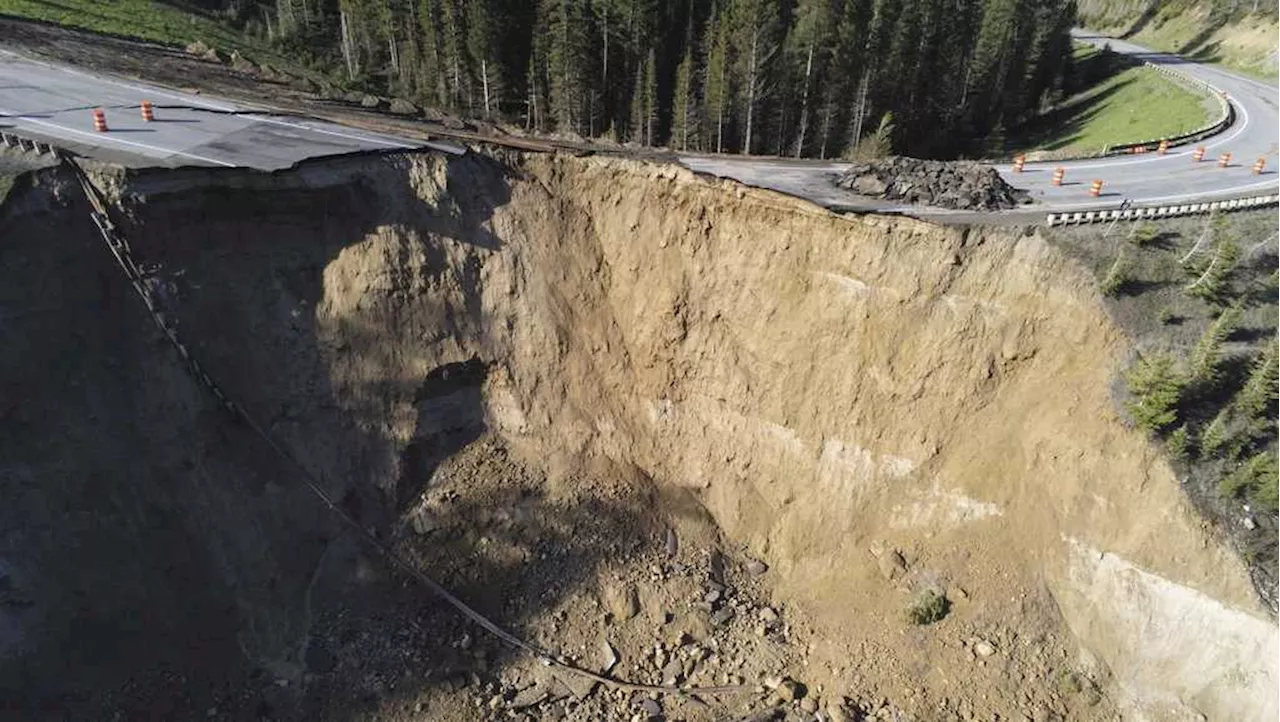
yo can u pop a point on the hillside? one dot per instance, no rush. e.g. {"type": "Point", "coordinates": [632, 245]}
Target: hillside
{"type": "Point", "coordinates": [1240, 36]}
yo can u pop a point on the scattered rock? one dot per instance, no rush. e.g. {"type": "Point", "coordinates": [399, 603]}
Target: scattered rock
{"type": "Point", "coordinates": [839, 713]}
{"type": "Point", "coordinates": [241, 64]}
{"type": "Point", "coordinates": [983, 648]}
{"type": "Point", "coordinates": [764, 715]}
{"type": "Point", "coordinates": [400, 106]}
{"type": "Point", "coordinates": [809, 704]}
{"type": "Point", "coordinates": [672, 543]}
{"type": "Point", "coordinates": [755, 567]}
{"type": "Point", "coordinates": [722, 616]}
{"type": "Point", "coordinates": [672, 673]}
{"type": "Point", "coordinates": [369, 101]}
{"type": "Point", "coordinates": [581, 687]}
{"type": "Point", "coordinates": [529, 697]}
{"type": "Point", "coordinates": [622, 601]}
{"type": "Point", "coordinates": [608, 656]}
{"type": "Point", "coordinates": [959, 185]}
{"type": "Point", "coordinates": [790, 690]}
{"type": "Point", "coordinates": [768, 616]}
{"type": "Point", "coordinates": [891, 564]}
{"type": "Point", "coordinates": [423, 521]}
{"type": "Point", "coordinates": [650, 708]}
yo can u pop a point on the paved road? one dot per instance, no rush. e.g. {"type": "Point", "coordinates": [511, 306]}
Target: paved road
{"type": "Point", "coordinates": [54, 102]}
{"type": "Point", "coordinates": [1145, 180]}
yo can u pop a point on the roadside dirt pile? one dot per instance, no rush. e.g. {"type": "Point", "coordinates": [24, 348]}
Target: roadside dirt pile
{"type": "Point", "coordinates": [672, 428]}
{"type": "Point", "coordinates": [958, 185]}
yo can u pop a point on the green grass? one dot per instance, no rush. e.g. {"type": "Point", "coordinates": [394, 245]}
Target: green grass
{"type": "Point", "coordinates": [155, 22]}
{"type": "Point", "coordinates": [141, 19]}
{"type": "Point", "coordinates": [1121, 105]}
{"type": "Point", "coordinates": [6, 185]}
{"type": "Point", "coordinates": [1242, 42]}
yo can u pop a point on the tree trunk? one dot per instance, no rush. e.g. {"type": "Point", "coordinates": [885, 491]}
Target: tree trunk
{"type": "Point", "coordinates": [720, 112]}
{"type": "Point", "coordinates": [751, 89]}
{"type": "Point", "coordinates": [348, 51]}
{"type": "Point", "coordinates": [804, 103]}
{"type": "Point", "coordinates": [484, 80]}
{"type": "Point", "coordinates": [861, 113]}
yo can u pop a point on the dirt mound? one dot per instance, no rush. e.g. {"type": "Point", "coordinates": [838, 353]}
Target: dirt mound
{"type": "Point", "coordinates": [959, 185]}
{"type": "Point", "coordinates": [549, 381]}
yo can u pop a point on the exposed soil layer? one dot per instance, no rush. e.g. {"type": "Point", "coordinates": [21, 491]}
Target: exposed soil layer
{"type": "Point", "coordinates": [585, 394]}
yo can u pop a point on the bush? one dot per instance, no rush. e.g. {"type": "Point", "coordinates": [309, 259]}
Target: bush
{"type": "Point", "coordinates": [1155, 387]}
{"type": "Point", "coordinates": [1258, 479]}
{"type": "Point", "coordinates": [1117, 279]}
{"type": "Point", "coordinates": [1177, 443]}
{"type": "Point", "coordinates": [1143, 234]}
{"type": "Point", "coordinates": [1212, 285]}
{"type": "Point", "coordinates": [1206, 358]}
{"type": "Point", "coordinates": [1214, 436]}
{"type": "Point", "coordinates": [929, 607]}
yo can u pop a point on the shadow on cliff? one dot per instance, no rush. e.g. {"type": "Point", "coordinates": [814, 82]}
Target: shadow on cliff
{"type": "Point", "coordinates": [190, 564]}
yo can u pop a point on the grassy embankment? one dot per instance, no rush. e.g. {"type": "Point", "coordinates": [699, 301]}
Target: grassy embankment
{"type": "Point", "coordinates": [1115, 102]}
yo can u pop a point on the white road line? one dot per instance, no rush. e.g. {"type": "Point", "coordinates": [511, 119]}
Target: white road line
{"type": "Point", "coordinates": [350, 136]}
{"type": "Point", "coordinates": [1055, 207]}
{"type": "Point", "coordinates": [1068, 164]}
{"type": "Point", "coordinates": [108, 138]}
{"type": "Point", "coordinates": [191, 100]}
{"type": "Point", "coordinates": [188, 99]}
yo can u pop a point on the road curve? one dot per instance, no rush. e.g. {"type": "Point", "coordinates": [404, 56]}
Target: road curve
{"type": "Point", "coordinates": [1148, 179]}
{"type": "Point", "coordinates": [54, 103]}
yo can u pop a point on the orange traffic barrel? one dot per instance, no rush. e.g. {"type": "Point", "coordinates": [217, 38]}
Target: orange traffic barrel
{"type": "Point", "coordinates": [1058, 175]}
{"type": "Point", "coordinates": [1224, 160]}
{"type": "Point", "coordinates": [1095, 188]}
{"type": "Point", "coordinates": [1018, 163]}
{"type": "Point", "coordinates": [1164, 147]}
{"type": "Point", "coordinates": [1257, 167]}
{"type": "Point", "coordinates": [1198, 155]}
{"type": "Point", "coordinates": [147, 113]}
{"type": "Point", "coordinates": [99, 120]}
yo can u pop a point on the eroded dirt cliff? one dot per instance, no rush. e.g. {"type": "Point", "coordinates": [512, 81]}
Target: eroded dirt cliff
{"type": "Point", "coordinates": [522, 371]}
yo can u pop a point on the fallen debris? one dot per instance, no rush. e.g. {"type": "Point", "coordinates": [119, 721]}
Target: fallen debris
{"type": "Point", "coordinates": [958, 185]}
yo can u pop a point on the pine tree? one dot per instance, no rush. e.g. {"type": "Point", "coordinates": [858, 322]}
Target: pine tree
{"type": "Point", "coordinates": [1155, 387]}
{"type": "Point", "coordinates": [1206, 358]}
{"type": "Point", "coordinates": [684, 125]}
{"type": "Point", "coordinates": [718, 91]}
{"type": "Point", "coordinates": [1254, 405]}
{"type": "Point", "coordinates": [753, 28]}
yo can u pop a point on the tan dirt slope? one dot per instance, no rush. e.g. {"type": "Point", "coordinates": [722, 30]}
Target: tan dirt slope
{"type": "Point", "coordinates": [832, 391]}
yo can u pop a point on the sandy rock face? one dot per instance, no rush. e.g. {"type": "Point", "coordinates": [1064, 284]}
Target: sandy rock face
{"type": "Point", "coordinates": [871, 408]}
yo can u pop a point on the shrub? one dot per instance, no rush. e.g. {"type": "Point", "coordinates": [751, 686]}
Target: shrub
{"type": "Point", "coordinates": [929, 607]}
{"type": "Point", "coordinates": [1258, 479]}
{"type": "Point", "coordinates": [1117, 278]}
{"type": "Point", "coordinates": [1253, 405]}
{"type": "Point", "coordinates": [1143, 234]}
{"type": "Point", "coordinates": [1177, 443]}
{"type": "Point", "coordinates": [1206, 357]}
{"type": "Point", "coordinates": [1212, 285]}
{"type": "Point", "coordinates": [1214, 436]}
{"type": "Point", "coordinates": [1155, 387]}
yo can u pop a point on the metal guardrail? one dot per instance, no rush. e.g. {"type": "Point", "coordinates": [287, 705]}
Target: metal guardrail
{"type": "Point", "coordinates": [26, 145]}
{"type": "Point", "coordinates": [1154, 212]}
{"type": "Point", "coordinates": [1226, 117]}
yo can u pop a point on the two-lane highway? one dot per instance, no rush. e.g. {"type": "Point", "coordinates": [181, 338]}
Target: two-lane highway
{"type": "Point", "coordinates": [55, 102]}
{"type": "Point", "coordinates": [1147, 179]}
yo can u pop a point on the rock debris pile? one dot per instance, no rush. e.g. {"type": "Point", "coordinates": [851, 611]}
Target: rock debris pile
{"type": "Point", "coordinates": [958, 185]}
